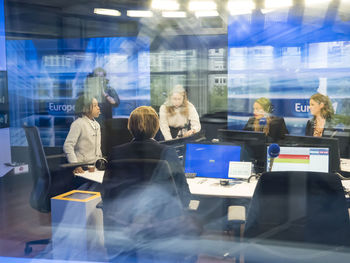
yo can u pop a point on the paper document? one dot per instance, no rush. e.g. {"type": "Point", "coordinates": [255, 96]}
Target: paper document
{"type": "Point", "coordinates": [96, 176]}
{"type": "Point", "coordinates": [345, 165]}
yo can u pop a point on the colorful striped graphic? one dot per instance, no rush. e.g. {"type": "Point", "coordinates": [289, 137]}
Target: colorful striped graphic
{"type": "Point", "coordinates": [293, 158]}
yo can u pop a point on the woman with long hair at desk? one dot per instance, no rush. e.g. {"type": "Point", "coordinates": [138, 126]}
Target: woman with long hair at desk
{"type": "Point", "coordinates": [178, 116]}
{"type": "Point", "coordinates": [323, 113]}
{"type": "Point", "coordinates": [263, 120]}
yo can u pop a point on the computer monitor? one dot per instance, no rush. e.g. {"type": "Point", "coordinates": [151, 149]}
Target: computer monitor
{"type": "Point", "coordinates": [179, 143]}
{"type": "Point", "coordinates": [211, 160]}
{"type": "Point", "coordinates": [317, 142]}
{"type": "Point", "coordinates": [295, 158]}
{"type": "Point", "coordinates": [254, 144]}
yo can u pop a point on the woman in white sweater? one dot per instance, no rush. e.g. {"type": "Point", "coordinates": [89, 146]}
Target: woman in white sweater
{"type": "Point", "coordinates": [83, 143]}
{"type": "Point", "coordinates": [178, 116]}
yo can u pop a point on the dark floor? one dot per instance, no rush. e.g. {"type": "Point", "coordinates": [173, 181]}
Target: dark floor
{"type": "Point", "coordinates": [20, 223]}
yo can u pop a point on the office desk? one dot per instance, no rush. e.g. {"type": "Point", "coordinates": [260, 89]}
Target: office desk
{"type": "Point", "coordinates": [212, 187]}
{"type": "Point", "coordinates": [240, 189]}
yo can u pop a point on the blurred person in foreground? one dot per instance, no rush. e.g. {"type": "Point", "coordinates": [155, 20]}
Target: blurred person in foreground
{"type": "Point", "coordinates": [140, 215]}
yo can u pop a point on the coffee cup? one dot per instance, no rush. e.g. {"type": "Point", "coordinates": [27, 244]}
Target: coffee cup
{"type": "Point", "coordinates": [91, 168]}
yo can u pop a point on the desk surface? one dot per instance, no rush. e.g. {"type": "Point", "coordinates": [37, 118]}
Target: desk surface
{"type": "Point", "coordinates": [239, 189]}
{"type": "Point", "coordinates": [212, 187]}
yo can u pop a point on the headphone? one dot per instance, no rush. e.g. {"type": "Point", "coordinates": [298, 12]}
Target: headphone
{"type": "Point", "coordinates": [101, 164]}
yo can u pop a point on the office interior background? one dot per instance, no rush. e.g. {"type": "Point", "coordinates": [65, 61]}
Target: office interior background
{"type": "Point", "coordinates": [225, 53]}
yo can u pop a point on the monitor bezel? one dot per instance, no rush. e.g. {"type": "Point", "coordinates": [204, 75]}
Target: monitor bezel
{"type": "Point", "coordinates": [311, 141]}
{"type": "Point", "coordinates": [212, 143]}
{"type": "Point", "coordinates": [301, 146]}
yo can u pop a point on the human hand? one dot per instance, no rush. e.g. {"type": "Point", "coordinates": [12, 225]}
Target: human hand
{"type": "Point", "coordinates": [78, 170]}
{"type": "Point", "coordinates": [189, 133]}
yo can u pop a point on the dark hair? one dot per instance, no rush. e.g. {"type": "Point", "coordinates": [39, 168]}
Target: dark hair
{"type": "Point", "coordinates": [83, 105]}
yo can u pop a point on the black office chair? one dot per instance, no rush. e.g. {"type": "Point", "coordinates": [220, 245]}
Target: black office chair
{"type": "Point", "coordinates": [47, 181]}
{"type": "Point", "coordinates": [304, 208]}
{"type": "Point", "coordinates": [140, 206]}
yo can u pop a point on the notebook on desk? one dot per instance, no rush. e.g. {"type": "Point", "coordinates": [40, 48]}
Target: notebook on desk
{"type": "Point", "coordinates": [213, 160]}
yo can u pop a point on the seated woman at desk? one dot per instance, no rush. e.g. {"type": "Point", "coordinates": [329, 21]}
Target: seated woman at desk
{"type": "Point", "coordinates": [178, 116]}
{"type": "Point", "coordinates": [83, 143]}
{"type": "Point", "coordinates": [322, 111]}
{"type": "Point", "coordinates": [143, 124]}
{"type": "Point", "coordinates": [263, 121]}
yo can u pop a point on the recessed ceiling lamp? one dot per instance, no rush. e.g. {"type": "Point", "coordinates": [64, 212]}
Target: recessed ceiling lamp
{"type": "Point", "coordinates": [170, 5]}
{"type": "Point", "coordinates": [106, 12]}
{"type": "Point", "coordinates": [240, 7]}
{"type": "Point", "coordinates": [173, 14]}
{"type": "Point", "coordinates": [272, 4]}
{"type": "Point", "coordinates": [207, 13]}
{"type": "Point", "coordinates": [309, 3]}
{"type": "Point", "coordinates": [201, 5]}
{"type": "Point", "coordinates": [139, 13]}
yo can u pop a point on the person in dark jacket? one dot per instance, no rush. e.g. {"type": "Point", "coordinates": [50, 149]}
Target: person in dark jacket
{"type": "Point", "coordinates": [263, 120]}
{"type": "Point", "coordinates": [323, 113]}
{"type": "Point", "coordinates": [139, 214]}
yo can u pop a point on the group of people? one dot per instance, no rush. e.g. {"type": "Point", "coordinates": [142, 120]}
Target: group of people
{"type": "Point", "coordinates": [177, 118]}
{"type": "Point", "coordinates": [274, 127]}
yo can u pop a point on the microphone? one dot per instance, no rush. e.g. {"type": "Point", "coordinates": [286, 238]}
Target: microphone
{"type": "Point", "coordinates": [273, 151]}
{"type": "Point", "coordinates": [262, 122]}
{"type": "Point", "coordinates": [338, 128]}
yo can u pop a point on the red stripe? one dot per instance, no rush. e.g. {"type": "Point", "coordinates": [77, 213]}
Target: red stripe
{"type": "Point", "coordinates": [293, 156]}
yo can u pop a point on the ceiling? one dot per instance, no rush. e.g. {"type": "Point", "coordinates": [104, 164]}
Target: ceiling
{"type": "Point", "coordinates": [75, 18]}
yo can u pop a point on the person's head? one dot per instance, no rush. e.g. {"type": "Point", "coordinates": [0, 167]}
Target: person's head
{"type": "Point", "coordinates": [177, 96]}
{"type": "Point", "coordinates": [88, 106]}
{"type": "Point", "coordinates": [262, 107]}
{"type": "Point", "coordinates": [99, 72]}
{"type": "Point", "coordinates": [321, 106]}
{"type": "Point", "coordinates": [143, 122]}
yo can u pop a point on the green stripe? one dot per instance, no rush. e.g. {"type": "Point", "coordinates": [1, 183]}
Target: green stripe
{"type": "Point", "coordinates": [282, 160]}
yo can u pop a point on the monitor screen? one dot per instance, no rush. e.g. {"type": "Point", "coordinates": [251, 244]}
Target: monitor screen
{"type": "Point", "coordinates": [211, 160]}
{"type": "Point", "coordinates": [309, 159]}
{"type": "Point", "coordinates": [317, 142]}
{"type": "Point", "coordinates": [254, 144]}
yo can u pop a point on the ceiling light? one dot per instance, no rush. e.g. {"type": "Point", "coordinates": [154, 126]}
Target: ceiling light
{"type": "Point", "coordinates": [165, 5]}
{"type": "Point", "coordinates": [106, 12]}
{"type": "Point", "coordinates": [309, 3]}
{"type": "Point", "coordinates": [201, 5]}
{"type": "Point", "coordinates": [139, 13]}
{"type": "Point", "coordinates": [240, 7]}
{"type": "Point", "coordinates": [174, 14]}
{"type": "Point", "coordinates": [206, 13]}
{"type": "Point", "coordinates": [270, 4]}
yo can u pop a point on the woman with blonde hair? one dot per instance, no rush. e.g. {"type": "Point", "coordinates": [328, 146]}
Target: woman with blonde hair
{"type": "Point", "coordinates": [178, 116]}
{"type": "Point", "coordinates": [322, 111]}
{"type": "Point", "coordinates": [263, 120]}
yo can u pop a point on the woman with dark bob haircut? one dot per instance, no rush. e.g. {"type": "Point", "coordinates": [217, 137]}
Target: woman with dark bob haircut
{"type": "Point", "coordinates": [143, 125]}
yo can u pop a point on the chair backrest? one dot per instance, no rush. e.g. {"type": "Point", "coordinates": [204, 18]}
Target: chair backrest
{"type": "Point", "coordinates": [139, 191]}
{"type": "Point", "coordinates": [306, 207]}
{"type": "Point", "coordinates": [40, 195]}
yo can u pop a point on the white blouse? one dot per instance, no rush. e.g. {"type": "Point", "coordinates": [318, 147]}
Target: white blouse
{"type": "Point", "coordinates": [178, 120]}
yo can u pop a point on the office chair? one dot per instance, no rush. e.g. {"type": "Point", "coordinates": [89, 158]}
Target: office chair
{"type": "Point", "coordinates": [140, 206]}
{"type": "Point", "coordinates": [302, 207]}
{"type": "Point", "coordinates": [47, 182]}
